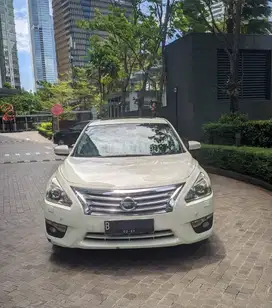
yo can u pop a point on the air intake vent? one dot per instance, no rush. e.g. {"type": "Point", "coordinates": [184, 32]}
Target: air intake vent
{"type": "Point", "coordinates": [254, 74]}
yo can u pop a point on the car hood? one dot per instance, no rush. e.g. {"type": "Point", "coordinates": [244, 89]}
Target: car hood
{"type": "Point", "coordinates": [129, 172]}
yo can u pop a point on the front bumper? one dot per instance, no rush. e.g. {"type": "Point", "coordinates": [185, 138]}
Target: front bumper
{"type": "Point", "coordinates": [171, 229]}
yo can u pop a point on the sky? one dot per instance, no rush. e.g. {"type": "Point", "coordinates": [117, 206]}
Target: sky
{"type": "Point", "coordinates": [23, 44]}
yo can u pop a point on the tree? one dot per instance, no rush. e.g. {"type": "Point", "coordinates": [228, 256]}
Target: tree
{"type": "Point", "coordinates": [120, 48]}
{"type": "Point", "coordinates": [23, 102]}
{"type": "Point", "coordinates": [58, 93]}
{"type": "Point", "coordinates": [162, 14]}
{"type": "Point", "coordinates": [85, 92]}
{"type": "Point", "coordinates": [254, 16]}
{"type": "Point", "coordinates": [103, 67]}
{"type": "Point", "coordinates": [7, 85]}
{"type": "Point", "coordinates": [231, 42]}
{"type": "Point", "coordinates": [142, 38]}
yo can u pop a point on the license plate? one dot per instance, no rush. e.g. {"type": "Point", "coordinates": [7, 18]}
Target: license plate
{"type": "Point", "coordinates": [129, 227]}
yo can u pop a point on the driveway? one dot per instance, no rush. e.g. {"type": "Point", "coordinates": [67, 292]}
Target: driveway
{"type": "Point", "coordinates": [233, 269]}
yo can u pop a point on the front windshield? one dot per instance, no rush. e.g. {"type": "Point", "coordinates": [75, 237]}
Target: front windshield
{"type": "Point", "coordinates": [121, 140]}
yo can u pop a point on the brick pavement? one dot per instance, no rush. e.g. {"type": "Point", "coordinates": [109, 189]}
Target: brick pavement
{"type": "Point", "coordinates": [233, 269]}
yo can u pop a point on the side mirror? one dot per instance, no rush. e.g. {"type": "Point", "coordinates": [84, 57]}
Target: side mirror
{"type": "Point", "coordinates": [62, 150]}
{"type": "Point", "coordinates": [194, 145]}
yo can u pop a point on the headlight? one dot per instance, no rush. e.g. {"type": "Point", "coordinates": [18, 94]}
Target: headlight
{"type": "Point", "coordinates": [201, 188]}
{"type": "Point", "coordinates": [56, 194]}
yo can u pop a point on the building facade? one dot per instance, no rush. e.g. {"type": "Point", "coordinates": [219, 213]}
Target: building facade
{"type": "Point", "coordinates": [196, 89]}
{"type": "Point", "coordinates": [42, 41]}
{"type": "Point", "coordinates": [8, 46]}
{"type": "Point", "coordinates": [72, 43]}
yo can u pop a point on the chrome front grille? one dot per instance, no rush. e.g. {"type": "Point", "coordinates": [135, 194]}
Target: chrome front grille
{"type": "Point", "coordinates": [147, 201]}
{"type": "Point", "coordinates": [154, 236]}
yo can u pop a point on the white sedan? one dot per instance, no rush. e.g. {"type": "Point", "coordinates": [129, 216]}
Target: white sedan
{"type": "Point", "coordinates": [128, 183]}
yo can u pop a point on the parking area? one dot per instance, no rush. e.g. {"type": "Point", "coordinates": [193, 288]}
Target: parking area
{"type": "Point", "coordinates": [232, 269]}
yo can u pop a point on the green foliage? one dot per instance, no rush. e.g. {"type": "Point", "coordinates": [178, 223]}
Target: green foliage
{"type": "Point", "coordinates": [103, 69]}
{"type": "Point", "coordinates": [253, 133]}
{"type": "Point", "coordinates": [254, 18]}
{"type": "Point", "coordinates": [231, 118]}
{"type": "Point", "coordinates": [45, 129]}
{"type": "Point", "coordinates": [23, 102]}
{"type": "Point", "coordinates": [46, 125]}
{"type": "Point", "coordinates": [7, 85]}
{"type": "Point", "coordinates": [59, 93]}
{"type": "Point", "coordinates": [190, 12]}
{"type": "Point", "coordinates": [134, 43]}
{"type": "Point", "coordinates": [255, 162]}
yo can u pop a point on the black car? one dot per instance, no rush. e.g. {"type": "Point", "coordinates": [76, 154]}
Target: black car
{"type": "Point", "coordinates": [69, 136]}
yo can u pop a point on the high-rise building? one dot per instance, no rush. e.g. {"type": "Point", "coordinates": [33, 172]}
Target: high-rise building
{"type": "Point", "coordinates": [72, 43]}
{"type": "Point", "coordinates": [42, 41]}
{"type": "Point", "coordinates": [8, 46]}
{"type": "Point", "coordinates": [218, 10]}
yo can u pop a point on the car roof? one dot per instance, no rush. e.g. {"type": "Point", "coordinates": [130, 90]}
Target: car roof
{"type": "Point", "coordinates": [129, 121]}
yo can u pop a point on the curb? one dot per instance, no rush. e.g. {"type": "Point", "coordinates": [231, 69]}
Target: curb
{"type": "Point", "coordinates": [239, 177]}
{"type": "Point", "coordinates": [30, 161]}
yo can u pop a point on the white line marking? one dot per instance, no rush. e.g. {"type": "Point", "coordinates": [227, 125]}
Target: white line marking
{"type": "Point", "coordinates": [27, 139]}
{"type": "Point", "coordinates": [6, 154]}
{"type": "Point", "coordinates": [47, 152]}
{"type": "Point", "coordinates": [49, 148]}
{"type": "Point", "coordinates": [17, 154]}
{"type": "Point", "coordinates": [38, 153]}
{"type": "Point", "coordinates": [27, 153]}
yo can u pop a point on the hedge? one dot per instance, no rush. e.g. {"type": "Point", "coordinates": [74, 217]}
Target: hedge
{"type": "Point", "coordinates": [254, 162]}
{"type": "Point", "coordinates": [45, 133]}
{"type": "Point", "coordinates": [46, 125]}
{"type": "Point", "coordinates": [253, 133]}
{"type": "Point", "coordinates": [45, 129]}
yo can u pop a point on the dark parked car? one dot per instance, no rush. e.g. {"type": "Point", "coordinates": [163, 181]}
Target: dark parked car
{"type": "Point", "coordinates": [69, 136]}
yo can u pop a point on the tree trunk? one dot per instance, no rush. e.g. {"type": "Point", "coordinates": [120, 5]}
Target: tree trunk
{"type": "Point", "coordinates": [123, 102]}
{"type": "Point", "coordinates": [142, 95]}
{"type": "Point", "coordinates": [234, 83]}
{"type": "Point", "coordinates": [164, 38]}
{"type": "Point", "coordinates": [230, 16]}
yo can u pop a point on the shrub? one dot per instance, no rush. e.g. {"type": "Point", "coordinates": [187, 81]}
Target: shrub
{"type": "Point", "coordinates": [255, 162]}
{"type": "Point", "coordinates": [253, 133]}
{"type": "Point", "coordinates": [46, 125]}
{"type": "Point", "coordinates": [233, 118]}
{"type": "Point", "coordinates": [45, 133]}
{"type": "Point", "coordinates": [45, 129]}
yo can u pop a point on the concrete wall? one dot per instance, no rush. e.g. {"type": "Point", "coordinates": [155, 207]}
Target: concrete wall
{"type": "Point", "coordinates": [192, 68]}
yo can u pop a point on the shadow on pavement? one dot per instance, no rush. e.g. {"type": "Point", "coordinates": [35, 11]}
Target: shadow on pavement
{"type": "Point", "coordinates": [184, 257]}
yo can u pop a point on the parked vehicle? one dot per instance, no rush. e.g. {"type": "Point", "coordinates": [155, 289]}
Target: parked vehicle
{"type": "Point", "coordinates": [128, 183]}
{"type": "Point", "coordinates": [70, 135]}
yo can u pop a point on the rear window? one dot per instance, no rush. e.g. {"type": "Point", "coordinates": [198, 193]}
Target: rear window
{"type": "Point", "coordinates": [122, 140]}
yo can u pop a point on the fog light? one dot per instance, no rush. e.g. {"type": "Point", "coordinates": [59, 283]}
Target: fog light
{"type": "Point", "coordinates": [55, 229]}
{"type": "Point", "coordinates": [203, 224]}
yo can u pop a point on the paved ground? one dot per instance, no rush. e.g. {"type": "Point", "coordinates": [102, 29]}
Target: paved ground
{"type": "Point", "coordinates": [25, 146]}
{"type": "Point", "coordinates": [234, 269]}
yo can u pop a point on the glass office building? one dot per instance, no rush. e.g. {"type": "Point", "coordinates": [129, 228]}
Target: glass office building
{"type": "Point", "coordinates": [42, 41]}
{"type": "Point", "coordinates": [8, 46]}
{"type": "Point", "coordinates": [72, 43]}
